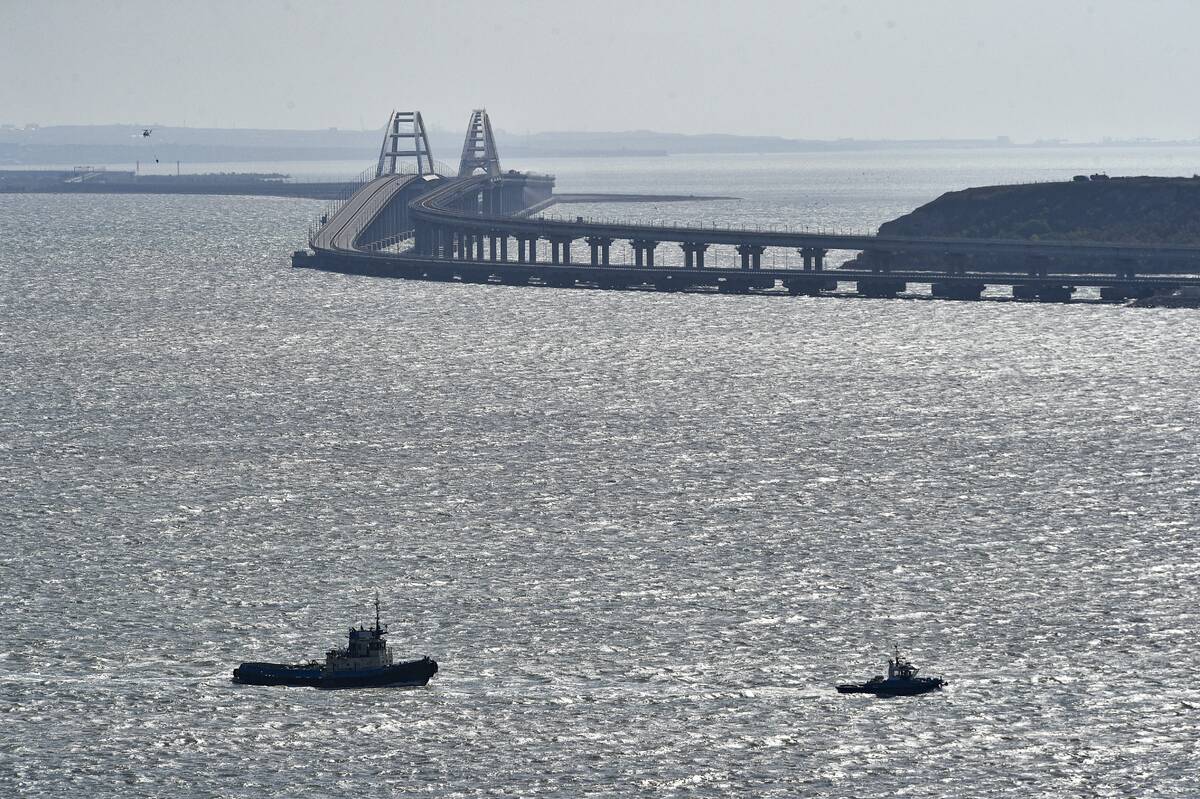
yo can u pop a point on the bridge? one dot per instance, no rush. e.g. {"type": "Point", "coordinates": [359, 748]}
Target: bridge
{"type": "Point", "coordinates": [417, 218]}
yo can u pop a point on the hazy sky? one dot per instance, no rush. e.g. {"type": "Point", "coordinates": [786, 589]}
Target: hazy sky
{"type": "Point", "coordinates": [800, 68]}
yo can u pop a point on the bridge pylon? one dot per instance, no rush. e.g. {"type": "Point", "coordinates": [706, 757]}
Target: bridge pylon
{"type": "Point", "coordinates": [479, 149]}
{"type": "Point", "coordinates": [405, 137]}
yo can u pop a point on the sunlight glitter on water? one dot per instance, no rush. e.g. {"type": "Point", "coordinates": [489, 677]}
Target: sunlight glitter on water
{"type": "Point", "coordinates": [644, 535]}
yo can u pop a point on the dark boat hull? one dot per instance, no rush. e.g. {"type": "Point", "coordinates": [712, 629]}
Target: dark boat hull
{"type": "Point", "coordinates": [921, 685]}
{"type": "Point", "coordinates": [277, 674]}
{"type": "Point", "coordinates": [411, 673]}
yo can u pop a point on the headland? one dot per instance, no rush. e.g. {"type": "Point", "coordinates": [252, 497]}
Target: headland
{"type": "Point", "coordinates": [1089, 208]}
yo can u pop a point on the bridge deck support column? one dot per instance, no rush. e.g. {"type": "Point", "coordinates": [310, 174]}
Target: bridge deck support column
{"type": "Point", "coordinates": [504, 247]}
{"type": "Point", "coordinates": [491, 246]}
{"type": "Point", "coordinates": [751, 256]}
{"type": "Point", "coordinates": [806, 254]}
{"type": "Point", "coordinates": [533, 247]}
{"type": "Point", "coordinates": [819, 259]}
{"type": "Point", "coordinates": [643, 252]}
{"type": "Point", "coordinates": [599, 245]}
{"type": "Point", "coordinates": [693, 254]}
{"type": "Point", "coordinates": [479, 244]}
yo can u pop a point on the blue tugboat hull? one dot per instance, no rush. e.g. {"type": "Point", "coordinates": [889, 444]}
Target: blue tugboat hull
{"type": "Point", "coordinates": [412, 673]}
{"type": "Point", "coordinates": [913, 687]}
{"type": "Point", "coordinates": [277, 674]}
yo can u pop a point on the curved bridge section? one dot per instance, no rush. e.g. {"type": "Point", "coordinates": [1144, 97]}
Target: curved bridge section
{"type": "Point", "coordinates": [346, 228]}
{"type": "Point", "coordinates": [477, 228]}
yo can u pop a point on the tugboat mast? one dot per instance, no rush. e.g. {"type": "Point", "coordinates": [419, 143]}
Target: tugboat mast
{"type": "Point", "coordinates": [378, 629]}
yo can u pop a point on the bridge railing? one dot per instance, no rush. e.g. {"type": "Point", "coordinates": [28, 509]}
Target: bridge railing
{"type": "Point", "coordinates": [391, 242]}
{"type": "Point", "coordinates": [332, 207]}
{"type": "Point", "coordinates": [351, 187]}
{"type": "Point", "coordinates": [716, 225]}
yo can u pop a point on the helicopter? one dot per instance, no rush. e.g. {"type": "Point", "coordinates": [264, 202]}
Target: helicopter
{"type": "Point", "coordinates": [146, 132]}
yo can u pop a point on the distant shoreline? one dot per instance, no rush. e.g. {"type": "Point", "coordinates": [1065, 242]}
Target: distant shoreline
{"type": "Point", "coordinates": [123, 144]}
{"type": "Point", "coordinates": [58, 181]}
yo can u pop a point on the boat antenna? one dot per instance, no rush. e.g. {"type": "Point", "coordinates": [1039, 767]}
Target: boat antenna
{"type": "Point", "coordinates": [377, 628]}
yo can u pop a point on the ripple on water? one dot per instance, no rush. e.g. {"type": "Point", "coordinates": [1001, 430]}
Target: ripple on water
{"type": "Point", "coordinates": [644, 535]}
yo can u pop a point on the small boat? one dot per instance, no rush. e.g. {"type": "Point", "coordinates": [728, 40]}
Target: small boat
{"type": "Point", "coordinates": [365, 663]}
{"type": "Point", "coordinates": [901, 680]}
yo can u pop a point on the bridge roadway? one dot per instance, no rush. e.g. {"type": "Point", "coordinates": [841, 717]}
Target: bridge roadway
{"type": "Point", "coordinates": [451, 232]}
{"type": "Point", "coordinates": [725, 279]}
{"type": "Point", "coordinates": [434, 210]}
{"type": "Point", "coordinates": [340, 233]}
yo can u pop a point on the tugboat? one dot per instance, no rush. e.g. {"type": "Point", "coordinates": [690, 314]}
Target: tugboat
{"type": "Point", "coordinates": [365, 663]}
{"type": "Point", "coordinates": [902, 680]}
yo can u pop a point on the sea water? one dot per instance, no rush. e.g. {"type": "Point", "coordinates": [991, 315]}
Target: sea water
{"type": "Point", "coordinates": [643, 534]}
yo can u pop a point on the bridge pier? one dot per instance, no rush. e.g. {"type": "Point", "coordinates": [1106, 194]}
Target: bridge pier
{"type": "Point", "coordinates": [1123, 293]}
{"type": "Point", "coordinates": [957, 290]}
{"type": "Point", "coordinates": [527, 249]}
{"type": "Point", "coordinates": [1043, 292]}
{"type": "Point", "coordinates": [560, 250]}
{"type": "Point", "coordinates": [813, 258]}
{"type": "Point", "coordinates": [809, 286]}
{"type": "Point", "coordinates": [880, 288]}
{"type": "Point", "coordinates": [599, 245]}
{"type": "Point", "coordinates": [693, 254]}
{"type": "Point", "coordinates": [751, 256]}
{"type": "Point", "coordinates": [643, 252]}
